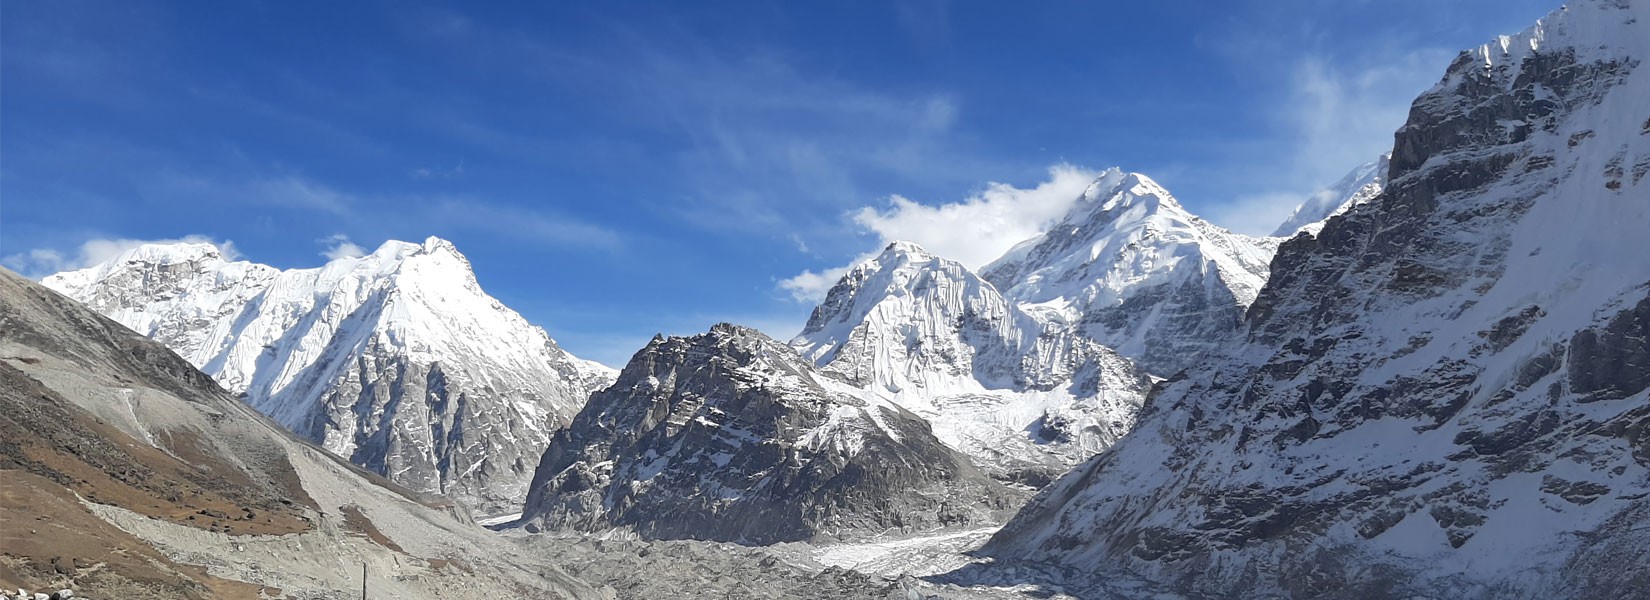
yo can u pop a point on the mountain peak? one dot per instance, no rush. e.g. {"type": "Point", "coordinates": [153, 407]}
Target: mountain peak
{"type": "Point", "coordinates": [399, 250]}
{"type": "Point", "coordinates": [1115, 187]}
{"type": "Point", "coordinates": [433, 243]}
{"type": "Point", "coordinates": [170, 253]}
{"type": "Point", "coordinates": [905, 248]}
{"type": "Point", "coordinates": [732, 436]}
{"type": "Point", "coordinates": [1361, 185]}
{"type": "Point", "coordinates": [1127, 241]}
{"type": "Point", "coordinates": [301, 345]}
{"type": "Point", "coordinates": [726, 329]}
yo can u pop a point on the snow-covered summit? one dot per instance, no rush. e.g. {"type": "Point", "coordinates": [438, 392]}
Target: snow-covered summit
{"type": "Point", "coordinates": [1025, 399]}
{"type": "Point", "coordinates": [396, 359]}
{"type": "Point", "coordinates": [899, 297]}
{"type": "Point", "coordinates": [1361, 185]}
{"type": "Point", "coordinates": [1130, 268]}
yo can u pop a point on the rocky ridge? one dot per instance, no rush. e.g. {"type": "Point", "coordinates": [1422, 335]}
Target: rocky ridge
{"type": "Point", "coordinates": [1443, 392]}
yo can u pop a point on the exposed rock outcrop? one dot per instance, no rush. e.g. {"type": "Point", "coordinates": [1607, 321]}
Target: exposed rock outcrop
{"type": "Point", "coordinates": [732, 436]}
{"type": "Point", "coordinates": [1442, 393]}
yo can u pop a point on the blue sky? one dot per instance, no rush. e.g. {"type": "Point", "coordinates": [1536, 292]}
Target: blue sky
{"type": "Point", "coordinates": [616, 169]}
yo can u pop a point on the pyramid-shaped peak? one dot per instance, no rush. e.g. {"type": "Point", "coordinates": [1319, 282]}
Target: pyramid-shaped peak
{"type": "Point", "coordinates": [1116, 187]}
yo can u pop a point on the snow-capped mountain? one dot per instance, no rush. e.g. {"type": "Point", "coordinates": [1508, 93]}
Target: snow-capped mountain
{"type": "Point", "coordinates": [733, 436]}
{"type": "Point", "coordinates": [1130, 268]}
{"type": "Point", "coordinates": [1361, 185]}
{"type": "Point", "coordinates": [1027, 401]}
{"type": "Point", "coordinates": [1446, 392]}
{"type": "Point", "coordinates": [130, 474]}
{"type": "Point", "coordinates": [396, 360]}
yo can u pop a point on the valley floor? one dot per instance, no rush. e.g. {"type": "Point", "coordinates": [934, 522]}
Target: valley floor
{"type": "Point", "coordinates": [934, 565]}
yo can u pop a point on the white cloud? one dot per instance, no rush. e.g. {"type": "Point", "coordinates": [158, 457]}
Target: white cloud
{"type": "Point", "coordinates": [810, 286]}
{"type": "Point", "coordinates": [982, 227]}
{"type": "Point", "coordinates": [1339, 116]}
{"type": "Point", "coordinates": [974, 231]}
{"type": "Point", "coordinates": [41, 262]}
{"type": "Point", "coordinates": [339, 246]}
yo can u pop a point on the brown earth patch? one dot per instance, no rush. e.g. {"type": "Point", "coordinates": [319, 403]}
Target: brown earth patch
{"type": "Point", "coordinates": [357, 522]}
{"type": "Point", "coordinates": [43, 434]}
{"type": "Point", "coordinates": [50, 540]}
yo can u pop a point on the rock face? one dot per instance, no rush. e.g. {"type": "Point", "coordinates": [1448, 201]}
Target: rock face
{"type": "Point", "coordinates": [732, 436]}
{"type": "Point", "coordinates": [1129, 268]}
{"type": "Point", "coordinates": [1443, 393]}
{"type": "Point", "coordinates": [1361, 185]}
{"type": "Point", "coordinates": [1025, 399]}
{"type": "Point", "coordinates": [396, 360]}
{"type": "Point", "coordinates": [127, 473]}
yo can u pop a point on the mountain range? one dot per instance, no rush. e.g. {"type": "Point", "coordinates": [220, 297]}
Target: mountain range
{"type": "Point", "coordinates": [1433, 380]}
{"type": "Point", "coordinates": [399, 362]}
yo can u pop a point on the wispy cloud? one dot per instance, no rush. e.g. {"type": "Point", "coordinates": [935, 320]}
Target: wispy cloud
{"type": "Point", "coordinates": [517, 223]}
{"type": "Point", "coordinates": [287, 191]}
{"type": "Point", "coordinates": [452, 172]}
{"type": "Point", "coordinates": [1337, 116]}
{"type": "Point", "coordinates": [298, 192]}
{"type": "Point", "coordinates": [338, 246]}
{"type": "Point", "coordinates": [769, 146]}
{"type": "Point", "coordinates": [40, 262]}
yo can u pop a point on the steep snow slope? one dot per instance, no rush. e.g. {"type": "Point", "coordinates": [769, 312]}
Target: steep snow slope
{"type": "Point", "coordinates": [1129, 268]}
{"type": "Point", "coordinates": [1027, 401]}
{"type": "Point", "coordinates": [396, 360]}
{"type": "Point", "coordinates": [1444, 393]}
{"type": "Point", "coordinates": [126, 473]}
{"type": "Point", "coordinates": [1361, 185]}
{"type": "Point", "coordinates": [732, 436]}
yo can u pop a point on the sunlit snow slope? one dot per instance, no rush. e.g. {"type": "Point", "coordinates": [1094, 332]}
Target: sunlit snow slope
{"type": "Point", "coordinates": [1025, 399]}
{"type": "Point", "coordinates": [396, 360]}
{"type": "Point", "coordinates": [1130, 268]}
{"type": "Point", "coordinates": [1442, 393]}
{"type": "Point", "coordinates": [1361, 185]}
